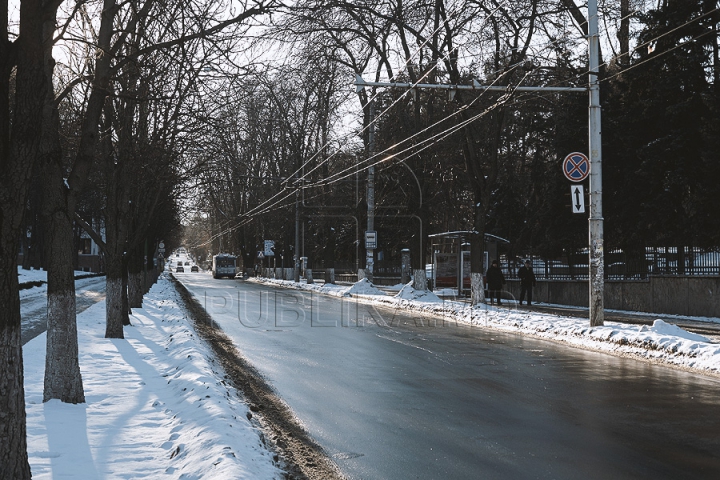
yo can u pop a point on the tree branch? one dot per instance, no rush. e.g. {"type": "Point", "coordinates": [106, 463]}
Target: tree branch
{"type": "Point", "coordinates": [90, 231]}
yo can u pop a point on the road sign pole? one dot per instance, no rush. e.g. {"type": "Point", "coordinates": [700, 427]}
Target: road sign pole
{"type": "Point", "coordinates": [296, 253]}
{"type": "Point", "coordinates": [596, 260]}
{"type": "Point", "coordinates": [370, 252]}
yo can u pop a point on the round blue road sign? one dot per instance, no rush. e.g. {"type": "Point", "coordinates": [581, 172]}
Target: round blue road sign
{"type": "Point", "coordinates": [576, 167]}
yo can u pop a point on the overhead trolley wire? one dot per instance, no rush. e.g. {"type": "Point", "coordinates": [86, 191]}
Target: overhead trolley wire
{"type": "Point", "coordinates": [273, 203]}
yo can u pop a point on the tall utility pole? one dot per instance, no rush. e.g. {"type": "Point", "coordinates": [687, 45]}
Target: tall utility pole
{"type": "Point", "coordinates": [595, 227]}
{"type": "Point", "coordinates": [296, 256]}
{"type": "Point", "coordinates": [370, 256]}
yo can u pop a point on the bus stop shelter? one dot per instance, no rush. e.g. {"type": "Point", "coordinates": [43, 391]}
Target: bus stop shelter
{"type": "Point", "coordinates": [451, 258]}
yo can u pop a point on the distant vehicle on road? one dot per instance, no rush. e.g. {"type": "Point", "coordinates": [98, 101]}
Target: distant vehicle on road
{"type": "Point", "coordinates": [194, 268]}
{"type": "Point", "coordinates": [223, 265]}
{"type": "Point", "coordinates": [180, 269]}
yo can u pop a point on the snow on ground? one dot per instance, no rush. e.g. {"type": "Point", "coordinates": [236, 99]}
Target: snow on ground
{"type": "Point", "coordinates": [157, 406]}
{"type": "Point", "coordinates": [410, 294]}
{"type": "Point", "coordinates": [662, 342]}
{"type": "Point", "coordinates": [33, 282]}
{"type": "Point", "coordinates": [664, 328]}
{"type": "Point", "coordinates": [32, 275]}
{"type": "Point", "coordinates": [363, 287]}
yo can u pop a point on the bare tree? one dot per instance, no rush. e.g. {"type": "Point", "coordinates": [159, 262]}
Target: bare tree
{"type": "Point", "coordinates": [116, 47]}
{"type": "Point", "coordinates": [451, 43]}
{"type": "Point", "coordinates": [25, 93]}
{"type": "Point", "coordinates": [262, 133]}
{"type": "Point", "coordinates": [28, 134]}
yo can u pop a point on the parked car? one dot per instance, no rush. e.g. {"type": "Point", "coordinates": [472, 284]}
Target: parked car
{"type": "Point", "coordinates": [187, 263]}
{"type": "Point", "coordinates": [194, 268]}
{"type": "Point", "coordinates": [180, 269]}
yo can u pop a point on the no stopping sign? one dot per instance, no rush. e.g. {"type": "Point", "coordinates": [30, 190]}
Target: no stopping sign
{"type": "Point", "coordinates": [576, 167]}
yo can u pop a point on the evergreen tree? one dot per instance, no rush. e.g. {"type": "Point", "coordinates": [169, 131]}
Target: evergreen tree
{"type": "Point", "coordinates": [659, 171]}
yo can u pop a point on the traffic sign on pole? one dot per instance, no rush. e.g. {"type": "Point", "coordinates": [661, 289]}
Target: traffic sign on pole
{"type": "Point", "coordinates": [576, 167]}
{"type": "Point", "coordinates": [370, 239]}
{"type": "Point", "coordinates": [269, 245]}
{"type": "Point", "coordinates": [577, 194]}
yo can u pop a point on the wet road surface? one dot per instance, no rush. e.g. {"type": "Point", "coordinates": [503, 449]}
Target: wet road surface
{"type": "Point", "coordinates": [395, 396]}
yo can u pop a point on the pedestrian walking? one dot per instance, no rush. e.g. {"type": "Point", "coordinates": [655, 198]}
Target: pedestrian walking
{"type": "Point", "coordinates": [496, 280]}
{"type": "Point", "coordinates": [527, 282]}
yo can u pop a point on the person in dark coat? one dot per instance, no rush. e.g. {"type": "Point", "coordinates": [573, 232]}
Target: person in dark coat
{"type": "Point", "coordinates": [527, 282]}
{"type": "Point", "coordinates": [496, 280]}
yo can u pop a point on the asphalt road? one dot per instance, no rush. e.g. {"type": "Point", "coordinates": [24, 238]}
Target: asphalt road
{"type": "Point", "coordinates": [33, 305]}
{"type": "Point", "coordinates": [394, 396]}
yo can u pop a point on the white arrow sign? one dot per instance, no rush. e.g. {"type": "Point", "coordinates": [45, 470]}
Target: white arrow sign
{"type": "Point", "coordinates": [577, 194]}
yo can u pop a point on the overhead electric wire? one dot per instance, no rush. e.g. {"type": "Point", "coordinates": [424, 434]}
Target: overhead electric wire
{"type": "Point", "coordinates": [356, 169]}
{"type": "Point", "coordinates": [452, 129]}
{"type": "Point", "coordinates": [272, 204]}
{"type": "Point", "coordinates": [650, 41]}
{"type": "Point", "coordinates": [372, 99]}
{"type": "Point", "coordinates": [431, 141]}
{"type": "Point", "coordinates": [664, 52]}
{"type": "Point", "coordinates": [265, 208]}
{"type": "Point", "coordinates": [503, 70]}
{"type": "Point", "coordinates": [253, 212]}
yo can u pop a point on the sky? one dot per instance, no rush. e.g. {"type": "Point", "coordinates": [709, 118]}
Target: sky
{"type": "Point", "coordinates": [157, 405]}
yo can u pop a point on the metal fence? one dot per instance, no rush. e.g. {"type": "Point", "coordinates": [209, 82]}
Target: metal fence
{"type": "Point", "coordinates": [619, 265]}
{"type": "Point", "coordinates": [622, 266]}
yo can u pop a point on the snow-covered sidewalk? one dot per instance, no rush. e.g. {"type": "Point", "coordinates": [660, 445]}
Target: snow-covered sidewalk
{"type": "Point", "coordinates": [157, 406]}
{"type": "Point", "coordinates": [662, 342]}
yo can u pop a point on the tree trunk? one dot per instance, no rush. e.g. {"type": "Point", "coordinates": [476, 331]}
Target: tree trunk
{"type": "Point", "coordinates": [34, 257]}
{"type": "Point", "coordinates": [116, 224]}
{"type": "Point", "coordinates": [63, 380]}
{"type": "Point", "coordinates": [681, 260]}
{"type": "Point", "coordinates": [136, 279]}
{"type": "Point", "coordinates": [19, 150]}
{"type": "Point", "coordinates": [329, 254]}
{"type": "Point", "coordinates": [125, 301]}
{"type": "Point", "coordinates": [624, 33]}
{"type": "Point", "coordinates": [136, 287]}
{"type": "Point", "coordinates": [716, 56]}
{"type": "Point", "coordinates": [420, 279]}
{"type": "Point", "coordinates": [114, 297]}
{"type": "Point", "coordinates": [13, 444]}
